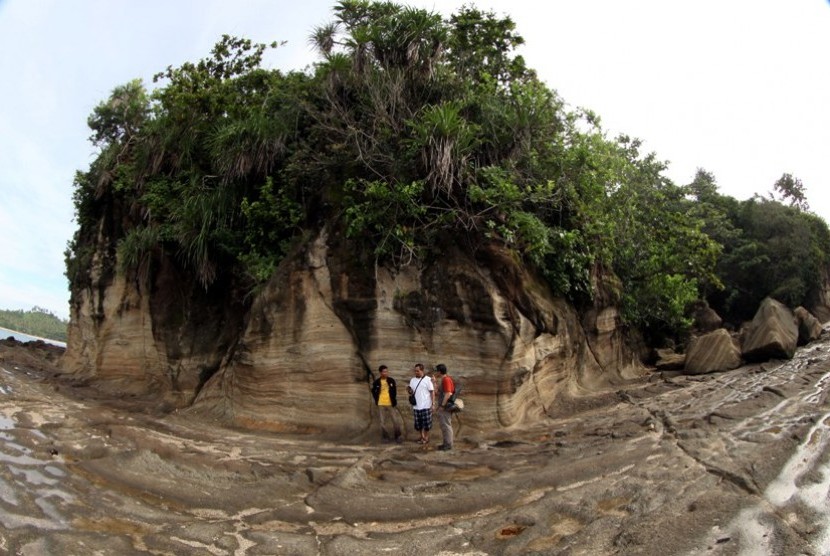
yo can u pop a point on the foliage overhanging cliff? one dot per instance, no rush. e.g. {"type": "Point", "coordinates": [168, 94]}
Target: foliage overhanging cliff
{"type": "Point", "coordinates": [412, 131]}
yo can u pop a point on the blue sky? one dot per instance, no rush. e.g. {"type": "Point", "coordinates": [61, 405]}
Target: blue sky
{"type": "Point", "coordinates": [738, 87]}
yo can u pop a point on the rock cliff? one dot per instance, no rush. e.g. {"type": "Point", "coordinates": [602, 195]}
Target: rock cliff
{"type": "Point", "coordinates": [300, 355]}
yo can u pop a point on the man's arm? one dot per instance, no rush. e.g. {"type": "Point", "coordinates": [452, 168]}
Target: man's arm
{"type": "Point", "coordinates": [447, 396]}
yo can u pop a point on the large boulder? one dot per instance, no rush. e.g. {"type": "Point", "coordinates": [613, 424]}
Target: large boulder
{"type": "Point", "coordinates": [715, 351]}
{"type": "Point", "coordinates": [809, 328]}
{"type": "Point", "coordinates": [772, 334]}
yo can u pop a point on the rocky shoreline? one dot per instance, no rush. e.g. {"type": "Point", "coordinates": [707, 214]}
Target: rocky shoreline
{"type": "Point", "coordinates": [722, 463]}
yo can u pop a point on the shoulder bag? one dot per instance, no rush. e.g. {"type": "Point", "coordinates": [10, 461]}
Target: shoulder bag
{"type": "Point", "coordinates": [412, 395]}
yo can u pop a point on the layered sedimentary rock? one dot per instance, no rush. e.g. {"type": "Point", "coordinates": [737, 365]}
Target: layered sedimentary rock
{"type": "Point", "coordinates": [165, 337]}
{"type": "Point", "coordinates": [320, 329]}
{"type": "Point", "coordinates": [301, 356]}
{"type": "Point", "coordinates": [712, 352]}
{"type": "Point", "coordinates": [772, 333]}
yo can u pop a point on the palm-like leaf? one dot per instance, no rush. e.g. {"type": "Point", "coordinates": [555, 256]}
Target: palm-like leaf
{"type": "Point", "coordinates": [249, 146]}
{"type": "Point", "coordinates": [446, 140]}
{"type": "Point", "coordinates": [323, 38]}
{"type": "Point", "coordinates": [204, 212]}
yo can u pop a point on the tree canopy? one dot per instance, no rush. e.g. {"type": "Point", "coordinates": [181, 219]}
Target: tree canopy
{"type": "Point", "coordinates": [411, 131]}
{"type": "Point", "coordinates": [37, 322]}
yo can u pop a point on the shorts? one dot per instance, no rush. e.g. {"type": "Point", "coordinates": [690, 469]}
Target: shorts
{"type": "Point", "coordinates": [423, 419]}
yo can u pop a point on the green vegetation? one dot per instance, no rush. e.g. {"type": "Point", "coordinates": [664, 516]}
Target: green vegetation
{"type": "Point", "coordinates": [768, 248]}
{"type": "Point", "coordinates": [35, 322]}
{"type": "Point", "coordinates": [410, 132]}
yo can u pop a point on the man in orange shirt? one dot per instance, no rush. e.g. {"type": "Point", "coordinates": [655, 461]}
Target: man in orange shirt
{"type": "Point", "coordinates": [446, 389]}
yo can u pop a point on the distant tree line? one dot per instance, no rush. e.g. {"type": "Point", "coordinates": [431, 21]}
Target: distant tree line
{"type": "Point", "coordinates": [412, 131]}
{"type": "Point", "coordinates": [35, 322]}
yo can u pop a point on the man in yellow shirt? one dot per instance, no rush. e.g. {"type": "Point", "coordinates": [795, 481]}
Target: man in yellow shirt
{"type": "Point", "coordinates": [385, 393]}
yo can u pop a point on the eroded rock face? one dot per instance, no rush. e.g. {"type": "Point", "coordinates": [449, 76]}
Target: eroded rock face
{"type": "Point", "coordinates": [773, 333]}
{"type": "Point", "coordinates": [165, 338]}
{"type": "Point", "coordinates": [317, 333]}
{"type": "Point", "coordinates": [712, 352]}
{"type": "Point", "coordinates": [302, 356]}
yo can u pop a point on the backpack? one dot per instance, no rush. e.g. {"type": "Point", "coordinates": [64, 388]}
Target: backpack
{"type": "Point", "coordinates": [455, 404]}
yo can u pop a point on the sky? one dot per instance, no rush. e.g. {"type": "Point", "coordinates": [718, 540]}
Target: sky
{"type": "Point", "coordinates": [740, 88]}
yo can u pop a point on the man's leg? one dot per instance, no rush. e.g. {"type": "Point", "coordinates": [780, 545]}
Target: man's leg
{"type": "Point", "coordinates": [422, 424]}
{"type": "Point", "coordinates": [383, 412]}
{"type": "Point", "coordinates": [444, 419]}
{"type": "Point", "coordinates": [397, 424]}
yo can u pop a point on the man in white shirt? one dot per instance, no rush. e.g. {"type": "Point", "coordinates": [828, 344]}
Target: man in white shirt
{"type": "Point", "coordinates": [422, 388]}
